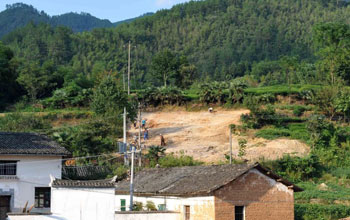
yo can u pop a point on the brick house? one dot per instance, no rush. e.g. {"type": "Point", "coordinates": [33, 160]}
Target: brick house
{"type": "Point", "coordinates": [220, 192]}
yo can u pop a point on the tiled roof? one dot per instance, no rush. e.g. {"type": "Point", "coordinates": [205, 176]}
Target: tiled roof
{"type": "Point", "coordinates": [15, 143]}
{"type": "Point", "coordinates": [58, 183]}
{"type": "Point", "coordinates": [195, 180]}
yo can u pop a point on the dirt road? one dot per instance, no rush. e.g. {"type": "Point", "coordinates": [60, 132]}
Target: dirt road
{"type": "Point", "coordinates": [205, 136]}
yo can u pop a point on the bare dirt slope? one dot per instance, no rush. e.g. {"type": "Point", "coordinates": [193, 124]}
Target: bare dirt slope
{"type": "Point", "coordinates": [205, 136]}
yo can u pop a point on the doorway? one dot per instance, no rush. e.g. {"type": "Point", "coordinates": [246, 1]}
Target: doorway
{"type": "Point", "coordinates": [4, 206]}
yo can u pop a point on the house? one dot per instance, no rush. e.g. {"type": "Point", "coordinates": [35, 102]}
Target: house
{"type": "Point", "coordinates": [75, 200]}
{"type": "Point", "coordinates": [27, 160]}
{"type": "Point", "coordinates": [218, 192]}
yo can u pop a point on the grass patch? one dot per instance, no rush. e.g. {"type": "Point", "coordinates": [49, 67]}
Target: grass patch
{"type": "Point", "coordinates": [296, 131]}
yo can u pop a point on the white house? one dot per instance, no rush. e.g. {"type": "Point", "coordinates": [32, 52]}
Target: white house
{"type": "Point", "coordinates": [27, 161]}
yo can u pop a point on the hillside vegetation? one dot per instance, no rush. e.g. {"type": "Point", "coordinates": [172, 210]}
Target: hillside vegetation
{"type": "Point", "coordinates": [19, 14]}
{"type": "Point", "coordinates": [285, 63]}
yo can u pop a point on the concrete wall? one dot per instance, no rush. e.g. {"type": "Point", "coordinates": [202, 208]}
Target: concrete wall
{"type": "Point", "coordinates": [32, 171]}
{"type": "Point", "coordinates": [263, 198]}
{"type": "Point", "coordinates": [83, 203]}
{"type": "Point", "coordinates": [30, 217]}
{"type": "Point", "coordinates": [200, 207]}
{"type": "Point", "coordinates": [146, 216]}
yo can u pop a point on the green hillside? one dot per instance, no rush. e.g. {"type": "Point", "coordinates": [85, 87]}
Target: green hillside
{"type": "Point", "coordinates": [19, 14]}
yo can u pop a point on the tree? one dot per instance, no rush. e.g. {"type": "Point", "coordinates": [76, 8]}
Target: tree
{"type": "Point", "coordinates": [37, 80]}
{"type": "Point", "coordinates": [165, 67]}
{"type": "Point", "coordinates": [9, 89]}
{"type": "Point", "coordinates": [155, 153]}
{"type": "Point", "coordinates": [110, 98]}
{"type": "Point", "coordinates": [333, 41]}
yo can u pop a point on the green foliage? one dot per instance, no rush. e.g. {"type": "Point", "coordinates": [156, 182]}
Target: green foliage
{"type": "Point", "coordinates": [299, 110]}
{"type": "Point", "coordinates": [150, 206]}
{"type": "Point", "coordinates": [242, 143]}
{"type": "Point", "coordinates": [109, 98]}
{"type": "Point", "coordinates": [161, 96]}
{"type": "Point", "coordinates": [23, 122]}
{"type": "Point", "coordinates": [321, 212]}
{"type": "Point", "coordinates": [19, 15]}
{"type": "Point", "coordinates": [154, 154]}
{"type": "Point", "coordinates": [172, 160]}
{"type": "Point", "coordinates": [70, 96]}
{"type": "Point", "coordinates": [213, 92]}
{"type": "Point", "coordinates": [321, 131]}
{"type": "Point", "coordinates": [333, 39]}
{"type": "Point", "coordinates": [95, 137]}
{"type": "Point", "coordinates": [137, 206]}
{"type": "Point", "coordinates": [297, 168]}
{"type": "Point", "coordinates": [296, 131]}
{"type": "Point", "coordinates": [9, 88]}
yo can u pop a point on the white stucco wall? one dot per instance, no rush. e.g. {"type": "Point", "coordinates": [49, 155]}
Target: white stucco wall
{"type": "Point", "coordinates": [32, 171]}
{"type": "Point", "coordinates": [31, 217]}
{"type": "Point", "coordinates": [199, 206]}
{"type": "Point", "coordinates": [148, 216]}
{"type": "Point", "coordinates": [83, 203]}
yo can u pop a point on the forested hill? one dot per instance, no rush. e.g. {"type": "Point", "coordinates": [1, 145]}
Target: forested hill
{"type": "Point", "coordinates": [19, 15]}
{"type": "Point", "coordinates": [223, 39]}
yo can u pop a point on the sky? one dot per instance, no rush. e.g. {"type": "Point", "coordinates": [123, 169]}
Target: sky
{"type": "Point", "coordinates": [114, 10]}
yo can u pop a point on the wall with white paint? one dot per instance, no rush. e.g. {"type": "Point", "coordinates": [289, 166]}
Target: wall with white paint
{"type": "Point", "coordinates": [83, 203]}
{"type": "Point", "coordinates": [146, 216]}
{"type": "Point", "coordinates": [32, 171]}
{"type": "Point", "coordinates": [200, 207]}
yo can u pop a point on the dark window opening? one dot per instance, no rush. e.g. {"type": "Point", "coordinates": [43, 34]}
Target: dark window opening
{"type": "Point", "coordinates": [42, 197]}
{"type": "Point", "coordinates": [239, 212]}
{"type": "Point", "coordinates": [187, 212]}
{"type": "Point", "coordinates": [8, 167]}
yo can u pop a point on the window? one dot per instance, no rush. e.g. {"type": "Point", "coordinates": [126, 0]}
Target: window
{"type": "Point", "coordinates": [161, 207]}
{"type": "Point", "coordinates": [239, 212]}
{"type": "Point", "coordinates": [42, 197]}
{"type": "Point", "coordinates": [187, 212]}
{"type": "Point", "coordinates": [122, 205]}
{"type": "Point", "coordinates": [8, 167]}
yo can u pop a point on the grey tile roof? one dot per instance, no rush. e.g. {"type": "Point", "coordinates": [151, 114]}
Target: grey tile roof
{"type": "Point", "coordinates": [196, 180]}
{"type": "Point", "coordinates": [16, 143]}
{"type": "Point", "coordinates": [58, 183]}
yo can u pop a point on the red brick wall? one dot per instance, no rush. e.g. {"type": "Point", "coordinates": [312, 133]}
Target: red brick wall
{"type": "Point", "coordinates": [263, 198]}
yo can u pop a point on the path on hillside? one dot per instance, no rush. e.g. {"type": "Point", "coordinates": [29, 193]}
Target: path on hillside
{"type": "Point", "coordinates": [205, 136]}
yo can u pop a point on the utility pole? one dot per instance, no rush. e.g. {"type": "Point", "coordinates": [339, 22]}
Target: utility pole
{"type": "Point", "coordinates": [230, 144]}
{"type": "Point", "coordinates": [129, 68]}
{"type": "Point", "coordinates": [132, 178]}
{"type": "Point", "coordinates": [140, 119]}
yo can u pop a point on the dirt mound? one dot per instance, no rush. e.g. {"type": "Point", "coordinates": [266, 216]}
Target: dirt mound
{"type": "Point", "coordinates": [205, 136]}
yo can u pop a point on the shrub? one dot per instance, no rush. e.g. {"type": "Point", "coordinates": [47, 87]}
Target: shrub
{"type": "Point", "coordinates": [171, 160]}
{"type": "Point", "coordinates": [320, 212]}
{"type": "Point", "coordinates": [23, 122]}
{"type": "Point", "coordinates": [299, 110]}
{"type": "Point", "coordinates": [162, 96]}
{"type": "Point", "coordinates": [297, 168]}
{"type": "Point", "coordinates": [150, 206]}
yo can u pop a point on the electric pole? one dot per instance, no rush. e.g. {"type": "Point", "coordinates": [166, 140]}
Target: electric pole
{"type": "Point", "coordinates": [230, 144]}
{"type": "Point", "coordinates": [129, 68]}
{"type": "Point", "coordinates": [132, 178]}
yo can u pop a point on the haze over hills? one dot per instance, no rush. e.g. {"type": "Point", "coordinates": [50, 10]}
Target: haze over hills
{"type": "Point", "coordinates": [19, 15]}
